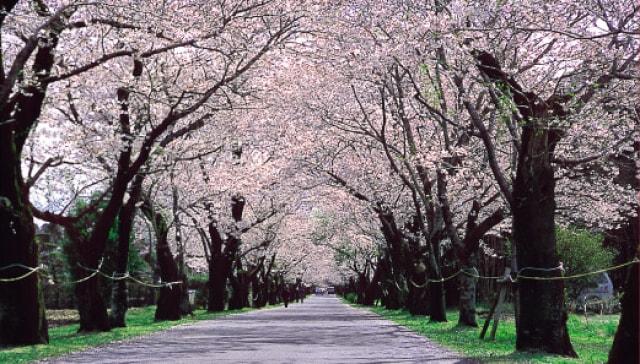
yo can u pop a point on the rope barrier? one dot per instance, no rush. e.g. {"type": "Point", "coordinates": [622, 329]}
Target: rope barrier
{"type": "Point", "coordinates": [580, 275]}
{"type": "Point", "coordinates": [518, 275]}
{"type": "Point", "coordinates": [94, 272]}
{"type": "Point", "coordinates": [21, 277]}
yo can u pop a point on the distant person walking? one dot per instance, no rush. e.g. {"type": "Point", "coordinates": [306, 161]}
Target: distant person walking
{"type": "Point", "coordinates": [286, 295]}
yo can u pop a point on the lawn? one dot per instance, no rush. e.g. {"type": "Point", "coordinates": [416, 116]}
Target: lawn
{"type": "Point", "coordinates": [591, 338]}
{"type": "Point", "coordinates": [65, 339]}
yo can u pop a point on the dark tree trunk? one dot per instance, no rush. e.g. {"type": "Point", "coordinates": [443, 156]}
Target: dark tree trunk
{"type": "Point", "coordinates": [94, 316]}
{"type": "Point", "coordinates": [418, 300]}
{"type": "Point", "coordinates": [437, 306]}
{"type": "Point", "coordinates": [467, 304]}
{"type": "Point", "coordinates": [396, 262]}
{"type": "Point", "coordinates": [371, 292]}
{"type": "Point", "coordinates": [265, 289]}
{"type": "Point", "coordinates": [272, 291]}
{"type": "Point", "coordinates": [170, 297]}
{"type": "Point", "coordinates": [119, 293]}
{"type": "Point", "coordinates": [239, 288]}
{"type": "Point", "coordinates": [22, 311]}
{"type": "Point", "coordinates": [89, 300]}
{"type": "Point", "coordinates": [393, 299]}
{"type": "Point", "coordinates": [222, 258]}
{"type": "Point", "coordinates": [256, 292]}
{"type": "Point", "coordinates": [542, 313]}
{"type": "Point", "coordinates": [217, 272]}
{"type": "Point", "coordinates": [119, 296]}
{"type": "Point", "coordinates": [361, 287]}
{"type": "Point", "coordinates": [91, 305]}
{"type": "Point", "coordinates": [217, 287]}
{"type": "Point", "coordinates": [436, 293]}
{"type": "Point", "coordinates": [185, 305]}
{"type": "Point", "coordinates": [245, 280]}
{"type": "Point", "coordinates": [22, 316]}
{"type": "Point", "coordinates": [390, 296]}
{"type": "Point", "coordinates": [240, 295]}
{"type": "Point", "coordinates": [168, 307]}
{"type": "Point", "coordinates": [626, 344]}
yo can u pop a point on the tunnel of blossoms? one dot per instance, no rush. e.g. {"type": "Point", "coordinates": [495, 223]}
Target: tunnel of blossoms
{"type": "Point", "coordinates": [387, 148]}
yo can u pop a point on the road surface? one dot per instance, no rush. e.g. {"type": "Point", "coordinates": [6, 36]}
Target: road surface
{"type": "Point", "coordinates": [321, 330]}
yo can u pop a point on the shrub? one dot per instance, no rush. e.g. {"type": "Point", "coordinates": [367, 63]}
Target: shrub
{"type": "Point", "coordinates": [351, 297]}
{"type": "Point", "coordinates": [581, 251]}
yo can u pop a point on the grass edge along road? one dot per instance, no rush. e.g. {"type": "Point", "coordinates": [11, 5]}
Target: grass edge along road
{"type": "Point", "coordinates": [591, 339]}
{"type": "Point", "coordinates": [140, 322]}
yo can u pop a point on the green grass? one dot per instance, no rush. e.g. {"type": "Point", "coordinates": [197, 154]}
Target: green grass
{"type": "Point", "coordinates": [65, 339]}
{"type": "Point", "coordinates": [591, 340]}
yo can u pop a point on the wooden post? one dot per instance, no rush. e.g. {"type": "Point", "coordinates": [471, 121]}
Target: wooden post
{"type": "Point", "coordinates": [496, 309]}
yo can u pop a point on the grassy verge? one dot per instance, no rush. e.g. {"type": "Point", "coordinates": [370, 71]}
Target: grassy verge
{"type": "Point", "coordinates": [65, 339]}
{"type": "Point", "coordinates": [591, 339]}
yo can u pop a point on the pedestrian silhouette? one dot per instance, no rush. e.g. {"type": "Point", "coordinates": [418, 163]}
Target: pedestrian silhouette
{"type": "Point", "coordinates": [285, 296]}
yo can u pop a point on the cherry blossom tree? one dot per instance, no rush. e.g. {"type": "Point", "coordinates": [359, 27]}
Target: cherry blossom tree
{"type": "Point", "coordinates": [171, 106]}
{"type": "Point", "coordinates": [627, 333]}
{"type": "Point", "coordinates": [272, 142]}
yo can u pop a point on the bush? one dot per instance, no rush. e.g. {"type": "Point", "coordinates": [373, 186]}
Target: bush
{"type": "Point", "coordinates": [199, 281]}
{"type": "Point", "coordinates": [351, 297]}
{"type": "Point", "coordinates": [581, 251]}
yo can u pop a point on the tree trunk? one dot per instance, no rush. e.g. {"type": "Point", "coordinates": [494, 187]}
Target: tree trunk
{"type": "Point", "coordinates": [91, 305]}
{"type": "Point", "coordinates": [168, 307]}
{"type": "Point", "coordinates": [256, 292]}
{"type": "Point", "coordinates": [239, 297]}
{"type": "Point", "coordinates": [437, 306]}
{"type": "Point", "coordinates": [169, 298]}
{"type": "Point", "coordinates": [393, 301]}
{"type": "Point", "coordinates": [371, 291]}
{"type": "Point", "coordinates": [185, 305]}
{"type": "Point", "coordinates": [94, 316]}
{"type": "Point", "coordinates": [119, 292]}
{"type": "Point", "coordinates": [396, 261]}
{"type": "Point", "coordinates": [361, 287]}
{"type": "Point", "coordinates": [119, 296]}
{"type": "Point", "coordinates": [22, 311]}
{"type": "Point", "coordinates": [217, 286]}
{"type": "Point", "coordinates": [89, 299]}
{"type": "Point", "coordinates": [22, 315]}
{"type": "Point", "coordinates": [626, 344]}
{"type": "Point", "coordinates": [239, 289]}
{"type": "Point", "coordinates": [467, 304]}
{"type": "Point", "coordinates": [418, 300]}
{"type": "Point", "coordinates": [119, 304]}
{"type": "Point", "coordinates": [542, 313]}
{"type": "Point", "coordinates": [437, 303]}
{"type": "Point", "coordinates": [217, 274]}
{"type": "Point", "coordinates": [272, 291]}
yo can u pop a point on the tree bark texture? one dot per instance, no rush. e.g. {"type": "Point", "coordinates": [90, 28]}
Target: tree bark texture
{"type": "Point", "coordinates": [168, 305]}
{"type": "Point", "coordinates": [22, 311]}
{"type": "Point", "coordinates": [22, 315]}
{"type": "Point", "coordinates": [542, 315]}
{"type": "Point", "coordinates": [119, 297]}
{"type": "Point", "coordinates": [467, 304]}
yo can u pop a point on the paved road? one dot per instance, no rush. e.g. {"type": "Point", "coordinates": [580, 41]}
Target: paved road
{"type": "Point", "coordinates": [322, 330]}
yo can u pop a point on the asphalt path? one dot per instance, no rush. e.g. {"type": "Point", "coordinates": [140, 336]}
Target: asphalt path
{"type": "Point", "coordinates": [320, 330]}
